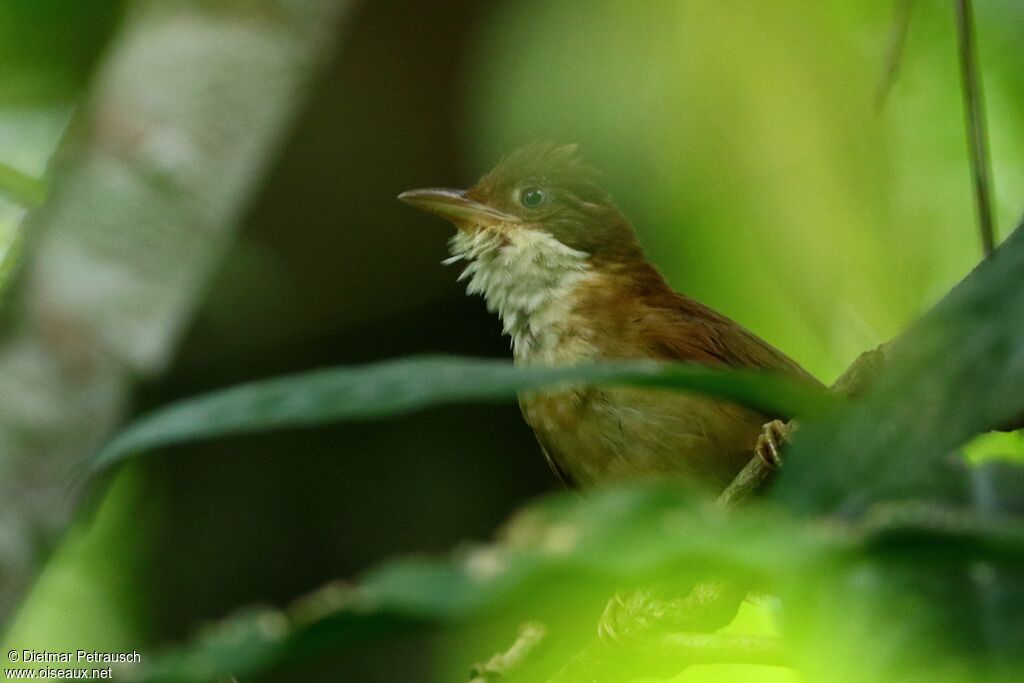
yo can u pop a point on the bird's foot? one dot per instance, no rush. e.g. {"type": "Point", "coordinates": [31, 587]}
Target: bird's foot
{"type": "Point", "coordinates": [629, 619]}
{"type": "Point", "coordinates": [774, 436]}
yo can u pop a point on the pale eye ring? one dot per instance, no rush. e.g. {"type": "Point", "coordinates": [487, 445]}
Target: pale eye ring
{"type": "Point", "coordinates": [532, 197]}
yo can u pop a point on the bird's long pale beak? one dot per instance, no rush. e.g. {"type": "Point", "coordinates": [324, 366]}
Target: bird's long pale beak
{"type": "Point", "coordinates": [455, 206]}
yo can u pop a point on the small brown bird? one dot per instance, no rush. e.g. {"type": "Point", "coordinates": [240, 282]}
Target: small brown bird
{"type": "Point", "coordinates": [559, 263]}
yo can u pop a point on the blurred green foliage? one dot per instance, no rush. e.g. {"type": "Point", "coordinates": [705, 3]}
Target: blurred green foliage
{"type": "Point", "coordinates": [47, 51]}
{"type": "Point", "coordinates": [572, 551]}
{"type": "Point", "coordinates": [48, 48]}
{"type": "Point", "coordinates": [748, 143]}
{"type": "Point", "coordinates": [87, 596]}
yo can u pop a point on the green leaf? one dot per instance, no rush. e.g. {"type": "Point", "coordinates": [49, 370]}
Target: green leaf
{"type": "Point", "coordinates": [955, 373]}
{"type": "Point", "coordinates": [22, 188]}
{"type": "Point", "coordinates": [934, 594]}
{"type": "Point", "coordinates": [400, 386]}
{"type": "Point", "coordinates": [612, 539]}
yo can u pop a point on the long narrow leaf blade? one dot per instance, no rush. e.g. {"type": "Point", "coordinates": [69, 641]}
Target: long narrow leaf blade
{"type": "Point", "coordinates": [955, 373]}
{"type": "Point", "coordinates": [401, 386]}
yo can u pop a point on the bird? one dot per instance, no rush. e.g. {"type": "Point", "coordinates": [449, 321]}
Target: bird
{"type": "Point", "coordinates": [542, 241]}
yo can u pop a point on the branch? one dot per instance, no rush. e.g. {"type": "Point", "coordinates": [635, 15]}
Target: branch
{"type": "Point", "coordinates": [750, 478]}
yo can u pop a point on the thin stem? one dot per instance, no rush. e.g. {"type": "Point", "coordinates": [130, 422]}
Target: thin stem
{"type": "Point", "coordinates": [894, 55]}
{"type": "Point", "coordinates": [22, 188]}
{"type": "Point", "coordinates": [977, 133]}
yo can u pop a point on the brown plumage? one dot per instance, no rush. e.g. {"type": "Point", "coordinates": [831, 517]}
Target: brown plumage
{"type": "Point", "coordinates": [562, 267]}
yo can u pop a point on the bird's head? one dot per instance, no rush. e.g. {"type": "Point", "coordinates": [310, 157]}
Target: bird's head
{"type": "Point", "coordinates": [531, 230]}
{"type": "Point", "coordinates": [543, 191]}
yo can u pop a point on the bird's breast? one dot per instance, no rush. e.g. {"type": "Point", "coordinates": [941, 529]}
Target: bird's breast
{"type": "Point", "coordinates": [600, 435]}
{"type": "Point", "coordinates": [555, 334]}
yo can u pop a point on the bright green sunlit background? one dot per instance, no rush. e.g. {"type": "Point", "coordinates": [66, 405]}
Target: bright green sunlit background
{"type": "Point", "coordinates": [748, 142]}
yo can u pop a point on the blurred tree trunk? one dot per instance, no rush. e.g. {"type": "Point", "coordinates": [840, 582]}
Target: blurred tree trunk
{"type": "Point", "coordinates": [185, 112]}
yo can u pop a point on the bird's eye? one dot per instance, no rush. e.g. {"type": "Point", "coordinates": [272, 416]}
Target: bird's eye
{"type": "Point", "coordinates": [532, 197]}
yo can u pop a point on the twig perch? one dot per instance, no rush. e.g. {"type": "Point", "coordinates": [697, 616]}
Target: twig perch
{"type": "Point", "coordinates": [857, 378]}
{"type": "Point", "coordinates": [750, 478]}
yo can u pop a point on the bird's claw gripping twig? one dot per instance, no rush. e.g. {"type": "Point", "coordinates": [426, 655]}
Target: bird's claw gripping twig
{"type": "Point", "coordinates": [774, 436]}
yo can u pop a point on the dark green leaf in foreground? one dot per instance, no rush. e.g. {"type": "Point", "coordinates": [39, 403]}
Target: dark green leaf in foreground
{"type": "Point", "coordinates": [613, 538]}
{"type": "Point", "coordinates": [608, 540]}
{"type": "Point", "coordinates": [934, 596]}
{"type": "Point", "coordinates": [401, 386]}
{"type": "Point", "coordinates": [955, 373]}
{"type": "Point", "coordinates": [922, 613]}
